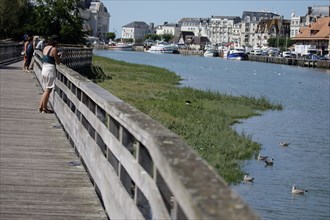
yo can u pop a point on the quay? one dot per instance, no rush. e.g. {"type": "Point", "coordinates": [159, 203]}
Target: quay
{"type": "Point", "coordinates": [325, 64]}
{"type": "Point", "coordinates": [97, 157]}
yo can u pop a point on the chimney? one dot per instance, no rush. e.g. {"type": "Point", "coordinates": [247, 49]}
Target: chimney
{"type": "Point", "coordinates": [309, 10]}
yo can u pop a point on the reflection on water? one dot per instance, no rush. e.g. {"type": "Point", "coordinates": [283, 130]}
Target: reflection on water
{"type": "Point", "coordinates": [304, 122]}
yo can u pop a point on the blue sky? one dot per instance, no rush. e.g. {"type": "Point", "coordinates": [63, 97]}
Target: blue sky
{"type": "Point", "coordinates": [123, 12]}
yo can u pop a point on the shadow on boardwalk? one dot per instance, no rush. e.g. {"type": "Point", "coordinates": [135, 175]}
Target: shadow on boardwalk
{"type": "Point", "coordinates": [40, 174]}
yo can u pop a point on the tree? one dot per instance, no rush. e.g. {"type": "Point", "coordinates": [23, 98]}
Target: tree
{"type": "Point", "coordinates": [111, 35]}
{"type": "Point", "coordinates": [166, 37]}
{"type": "Point", "coordinates": [59, 17]}
{"type": "Point", "coordinates": [153, 37]}
{"type": "Point", "coordinates": [281, 42]}
{"type": "Point", "coordinates": [129, 40]}
{"type": "Point", "coordinates": [14, 15]}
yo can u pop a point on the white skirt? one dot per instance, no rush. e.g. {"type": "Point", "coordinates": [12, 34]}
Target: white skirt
{"type": "Point", "coordinates": [48, 76]}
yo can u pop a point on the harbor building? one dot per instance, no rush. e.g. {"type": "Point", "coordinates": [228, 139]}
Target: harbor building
{"type": "Point", "coordinates": [168, 28]}
{"type": "Point", "coordinates": [135, 30]}
{"type": "Point", "coordinates": [96, 18]}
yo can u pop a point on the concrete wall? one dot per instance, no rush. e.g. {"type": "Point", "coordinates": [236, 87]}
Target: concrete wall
{"type": "Point", "coordinates": [292, 61]}
{"type": "Point", "coordinates": [140, 169]}
{"type": "Point", "coordinates": [10, 52]}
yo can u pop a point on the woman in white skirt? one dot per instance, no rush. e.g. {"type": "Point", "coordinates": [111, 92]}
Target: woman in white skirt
{"type": "Point", "coordinates": [48, 73]}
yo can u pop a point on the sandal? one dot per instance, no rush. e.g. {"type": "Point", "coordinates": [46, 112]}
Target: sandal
{"type": "Point", "coordinates": [40, 110]}
{"type": "Point", "coordinates": [49, 111]}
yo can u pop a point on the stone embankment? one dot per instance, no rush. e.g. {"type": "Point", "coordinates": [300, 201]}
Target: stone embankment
{"type": "Point", "coordinates": [325, 64]}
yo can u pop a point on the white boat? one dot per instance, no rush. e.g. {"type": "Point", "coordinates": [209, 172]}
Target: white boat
{"type": "Point", "coordinates": [237, 54]}
{"type": "Point", "coordinates": [121, 46]}
{"type": "Point", "coordinates": [211, 52]}
{"type": "Point", "coordinates": [162, 47]}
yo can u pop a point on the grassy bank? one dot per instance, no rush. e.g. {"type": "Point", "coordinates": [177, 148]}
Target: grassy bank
{"type": "Point", "coordinates": [204, 122]}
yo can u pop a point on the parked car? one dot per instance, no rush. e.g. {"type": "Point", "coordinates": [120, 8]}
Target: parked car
{"type": "Point", "coordinates": [256, 52]}
{"type": "Point", "coordinates": [286, 54]}
{"type": "Point", "coordinates": [294, 55]}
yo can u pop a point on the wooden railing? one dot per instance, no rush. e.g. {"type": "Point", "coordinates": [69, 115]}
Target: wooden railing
{"type": "Point", "coordinates": [72, 57]}
{"type": "Point", "coordinates": [139, 168]}
{"type": "Point", "coordinates": [75, 58]}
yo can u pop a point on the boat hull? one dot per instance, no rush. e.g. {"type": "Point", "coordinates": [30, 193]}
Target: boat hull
{"type": "Point", "coordinates": [121, 48]}
{"type": "Point", "coordinates": [161, 49]}
{"type": "Point", "coordinates": [212, 53]}
{"type": "Point", "coordinates": [237, 56]}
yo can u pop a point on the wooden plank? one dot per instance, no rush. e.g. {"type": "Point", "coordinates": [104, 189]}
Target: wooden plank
{"type": "Point", "coordinates": [37, 180]}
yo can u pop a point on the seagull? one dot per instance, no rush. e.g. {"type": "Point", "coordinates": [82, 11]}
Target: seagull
{"type": "Point", "coordinates": [260, 157]}
{"type": "Point", "coordinates": [269, 162]}
{"type": "Point", "coordinates": [248, 178]}
{"type": "Point", "coordinates": [284, 144]}
{"type": "Point", "coordinates": [295, 190]}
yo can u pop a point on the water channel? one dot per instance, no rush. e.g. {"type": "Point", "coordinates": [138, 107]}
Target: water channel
{"type": "Point", "coordinates": [304, 122]}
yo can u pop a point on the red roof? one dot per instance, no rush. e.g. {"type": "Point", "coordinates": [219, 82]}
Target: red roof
{"type": "Point", "coordinates": [319, 30]}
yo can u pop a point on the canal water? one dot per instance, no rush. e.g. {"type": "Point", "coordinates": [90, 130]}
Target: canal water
{"type": "Point", "coordinates": [304, 122]}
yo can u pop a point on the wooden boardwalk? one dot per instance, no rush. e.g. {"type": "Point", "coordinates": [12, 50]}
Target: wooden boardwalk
{"type": "Point", "coordinates": [37, 178]}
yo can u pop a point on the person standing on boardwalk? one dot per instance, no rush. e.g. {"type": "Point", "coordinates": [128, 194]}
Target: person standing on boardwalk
{"type": "Point", "coordinates": [34, 44]}
{"type": "Point", "coordinates": [51, 58]}
{"type": "Point", "coordinates": [42, 43]}
{"type": "Point", "coordinates": [28, 53]}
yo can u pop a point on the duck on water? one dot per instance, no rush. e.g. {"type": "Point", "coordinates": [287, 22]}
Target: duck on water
{"type": "Point", "coordinates": [295, 190]}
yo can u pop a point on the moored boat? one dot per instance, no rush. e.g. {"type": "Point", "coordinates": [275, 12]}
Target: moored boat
{"type": "Point", "coordinates": [121, 46]}
{"type": "Point", "coordinates": [211, 52]}
{"type": "Point", "coordinates": [162, 47]}
{"type": "Point", "coordinates": [237, 54]}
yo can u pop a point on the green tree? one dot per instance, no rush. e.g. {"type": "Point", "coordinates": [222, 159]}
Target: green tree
{"type": "Point", "coordinates": [129, 40]}
{"type": "Point", "coordinates": [166, 37]}
{"type": "Point", "coordinates": [281, 42]}
{"type": "Point", "coordinates": [59, 17]}
{"type": "Point", "coordinates": [13, 17]}
{"type": "Point", "coordinates": [153, 37]}
{"type": "Point", "coordinates": [111, 35]}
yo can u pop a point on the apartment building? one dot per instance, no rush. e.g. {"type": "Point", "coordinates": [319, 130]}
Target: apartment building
{"type": "Point", "coordinates": [220, 29]}
{"type": "Point", "coordinates": [199, 26]}
{"type": "Point", "coordinates": [236, 38]}
{"type": "Point", "coordinates": [249, 24]}
{"type": "Point", "coordinates": [268, 28]}
{"type": "Point", "coordinates": [295, 25]}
